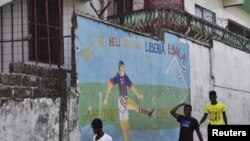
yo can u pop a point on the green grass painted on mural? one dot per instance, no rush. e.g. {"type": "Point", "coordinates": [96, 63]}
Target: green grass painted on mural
{"type": "Point", "coordinates": [162, 98]}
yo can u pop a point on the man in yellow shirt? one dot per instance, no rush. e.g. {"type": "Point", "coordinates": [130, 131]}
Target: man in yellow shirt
{"type": "Point", "coordinates": [215, 110]}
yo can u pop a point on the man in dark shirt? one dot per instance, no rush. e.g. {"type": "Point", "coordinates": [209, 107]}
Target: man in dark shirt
{"type": "Point", "coordinates": [187, 123]}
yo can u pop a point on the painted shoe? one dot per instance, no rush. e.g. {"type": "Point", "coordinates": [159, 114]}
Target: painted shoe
{"type": "Point", "coordinates": [151, 112]}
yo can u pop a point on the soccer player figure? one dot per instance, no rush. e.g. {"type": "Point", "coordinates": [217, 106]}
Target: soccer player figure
{"type": "Point", "coordinates": [187, 123]}
{"type": "Point", "coordinates": [124, 102]}
{"type": "Point", "coordinates": [215, 110]}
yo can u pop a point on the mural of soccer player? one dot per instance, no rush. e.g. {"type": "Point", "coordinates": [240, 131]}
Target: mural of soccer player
{"type": "Point", "coordinates": [124, 102]}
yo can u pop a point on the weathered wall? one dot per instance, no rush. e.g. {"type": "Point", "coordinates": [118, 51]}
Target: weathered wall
{"type": "Point", "coordinates": [226, 70]}
{"type": "Point", "coordinates": [231, 69]}
{"type": "Point", "coordinates": [159, 70]}
{"type": "Point", "coordinates": [32, 103]}
{"type": "Point", "coordinates": [200, 82]}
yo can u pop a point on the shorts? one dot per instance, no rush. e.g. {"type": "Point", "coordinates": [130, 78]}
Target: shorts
{"type": "Point", "coordinates": [122, 104]}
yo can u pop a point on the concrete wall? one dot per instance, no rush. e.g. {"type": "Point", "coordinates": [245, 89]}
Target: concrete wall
{"type": "Point", "coordinates": [32, 104]}
{"type": "Point", "coordinates": [231, 71]}
{"type": "Point", "coordinates": [30, 112]}
{"type": "Point", "coordinates": [225, 70]}
{"type": "Point", "coordinates": [32, 100]}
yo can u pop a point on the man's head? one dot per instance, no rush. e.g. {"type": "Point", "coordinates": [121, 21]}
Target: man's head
{"type": "Point", "coordinates": [121, 66]}
{"type": "Point", "coordinates": [96, 125]}
{"type": "Point", "coordinates": [187, 110]}
{"type": "Point", "coordinates": [213, 97]}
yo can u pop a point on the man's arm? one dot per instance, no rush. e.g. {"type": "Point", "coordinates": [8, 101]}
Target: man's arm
{"type": "Point", "coordinates": [224, 117]}
{"type": "Point", "coordinates": [199, 134]}
{"type": "Point", "coordinates": [133, 89]}
{"type": "Point", "coordinates": [173, 111]}
{"type": "Point", "coordinates": [109, 87]}
{"type": "Point", "coordinates": [203, 118]}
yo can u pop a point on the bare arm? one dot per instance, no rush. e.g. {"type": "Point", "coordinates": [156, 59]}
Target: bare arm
{"type": "Point", "coordinates": [203, 118]}
{"type": "Point", "coordinates": [109, 87]}
{"type": "Point", "coordinates": [224, 117]}
{"type": "Point", "coordinates": [173, 111]}
{"type": "Point", "coordinates": [199, 134]}
{"type": "Point", "coordinates": [133, 89]}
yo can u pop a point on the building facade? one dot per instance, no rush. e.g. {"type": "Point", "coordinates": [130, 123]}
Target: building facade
{"type": "Point", "coordinates": [42, 33]}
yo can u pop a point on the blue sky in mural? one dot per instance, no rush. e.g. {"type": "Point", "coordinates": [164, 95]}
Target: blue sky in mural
{"type": "Point", "coordinates": [142, 64]}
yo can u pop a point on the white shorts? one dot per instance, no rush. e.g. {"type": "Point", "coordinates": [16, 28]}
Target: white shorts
{"type": "Point", "coordinates": [123, 111]}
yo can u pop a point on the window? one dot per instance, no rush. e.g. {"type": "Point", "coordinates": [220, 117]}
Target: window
{"type": "Point", "coordinates": [238, 29]}
{"type": "Point", "coordinates": [123, 6]}
{"type": "Point", "coordinates": [161, 4]}
{"type": "Point", "coordinates": [46, 44]}
{"type": "Point", "coordinates": [204, 14]}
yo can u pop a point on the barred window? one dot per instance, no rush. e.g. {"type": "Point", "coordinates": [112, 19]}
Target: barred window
{"type": "Point", "coordinates": [204, 13]}
{"type": "Point", "coordinates": [238, 29]}
{"type": "Point", "coordinates": [45, 29]}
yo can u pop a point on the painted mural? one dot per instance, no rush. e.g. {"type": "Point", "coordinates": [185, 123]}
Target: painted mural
{"type": "Point", "coordinates": [130, 81]}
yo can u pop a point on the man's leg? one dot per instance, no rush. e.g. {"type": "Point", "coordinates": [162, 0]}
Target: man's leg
{"type": "Point", "coordinates": [132, 106]}
{"type": "Point", "coordinates": [146, 112]}
{"type": "Point", "coordinates": [125, 129]}
{"type": "Point", "coordinates": [124, 117]}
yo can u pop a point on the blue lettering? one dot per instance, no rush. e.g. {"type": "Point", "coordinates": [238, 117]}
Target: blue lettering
{"type": "Point", "coordinates": [155, 48]}
{"type": "Point", "coordinates": [175, 50]}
